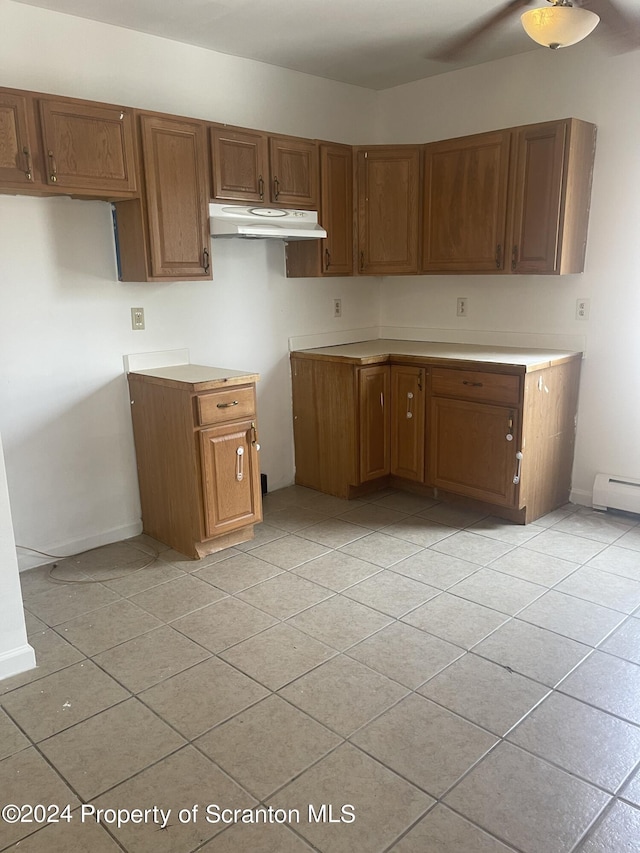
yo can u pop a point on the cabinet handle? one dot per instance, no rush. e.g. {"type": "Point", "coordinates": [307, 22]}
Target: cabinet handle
{"type": "Point", "coordinates": [498, 256]}
{"type": "Point", "coordinates": [382, 400]}
{"type": "Point", "coordinates": [509, 435]}
{"type": "Point", "coordinates": [472, 384]}
{"type": "Point", "coordinates": [254, 436]}
{"type": "Point", "coordinates": [419, 380]}
{"type": "Point", "coordinates": [261, 187]}
{"type": "Point", "coordinates": [239, 464]}
{"type": "Point", "coordinates": [27, 155]}
{"type": "Point", "coordinates": [53, 173]}
{"type": "Point", "coordinates": [361, 261]}
{"type": "Point", "coordinates": [205, 260]}
{"type": "Point", "coordinates": [516, 477]}
{"type": "Point", "coordinates": [327, 259]}
{"type": "Point", "coordinates": [409, 404]}
{"type": "Point", "coordinates": [227, 405]}
{"type": "Point", "coordinates": [276, 188]}
{"type": "Point", "coordinates": [514, 258]}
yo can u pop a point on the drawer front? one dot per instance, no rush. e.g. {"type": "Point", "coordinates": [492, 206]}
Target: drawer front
{"type": "Point", "coordinates": [476, 385]}
{"type": "Point", "coordinates": [226, 405]}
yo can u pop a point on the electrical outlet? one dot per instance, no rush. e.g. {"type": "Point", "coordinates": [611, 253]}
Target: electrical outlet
{"type": "Point", "coordinates": [137, 318]}
{"type": "Point", "coordinates": [582, 309]}
{"type": "Point", "coordinates": [463, 307]}
{"type": "Point", "coordinates": [337, 307]}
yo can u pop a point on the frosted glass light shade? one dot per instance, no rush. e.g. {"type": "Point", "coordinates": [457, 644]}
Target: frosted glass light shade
{"type": "Point", "coordinates": [559, 26]}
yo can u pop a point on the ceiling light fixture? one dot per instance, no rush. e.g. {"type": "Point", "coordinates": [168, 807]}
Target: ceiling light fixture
{"type": "Point", "coordinates": [559, 25]}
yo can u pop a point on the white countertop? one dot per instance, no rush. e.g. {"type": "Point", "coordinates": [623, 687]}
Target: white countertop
{"type": "Point", "coordinates": [194, 373]}
{"type": "Point", "coordinates": [528, 358]}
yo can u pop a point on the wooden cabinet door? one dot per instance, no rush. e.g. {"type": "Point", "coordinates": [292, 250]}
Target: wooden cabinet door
{"type": "Point", "coordinates": [16, 144]}
{"type": "Point", "coordinates": [294, 172]}
{"type": "Point", "coordinates": [230, 478]}
{"type": "Point", "coordinates": [334, 255]}
{"type": "Point", "coordinates": [469, 450]}
{"type": "Point", "coordinates": [240, 165]}
{"type": "Point", "coordinates": [537, 207]}
{"type": "Point", "coordinates": [465, 203]}
{"type": "Point", "coordinates": [176, 182]}
{"type": "Point", "coordinates": [373, 383]}
{"type": "Point", "coordinates": [336, 209]}
{"type": "Point", "coordinates": [388, 210]}
{"type": "Point", "coordinates": [408, 396]}
{"type": "Point", "coordinates": [88, 146]}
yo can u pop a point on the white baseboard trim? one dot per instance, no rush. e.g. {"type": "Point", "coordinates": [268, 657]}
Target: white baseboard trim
{"type": "Point", "coordinates": [29, 560]}
{"type": "Point", "coordinates": [582, 497]}
{"type": "Point", "coordinates": [16, 661]}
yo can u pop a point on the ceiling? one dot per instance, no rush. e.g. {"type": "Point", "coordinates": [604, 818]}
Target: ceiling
{"type": "Point", "coordinates": [372, 43]}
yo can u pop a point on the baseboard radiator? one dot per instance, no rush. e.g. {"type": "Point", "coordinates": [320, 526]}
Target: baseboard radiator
{"type": "Point", "coordinates": [611, 492]}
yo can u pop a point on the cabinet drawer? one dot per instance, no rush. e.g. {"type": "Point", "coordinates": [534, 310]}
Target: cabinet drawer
{"type": "Point", "coordinates": [227, 405]}
{"type": "Point", "coordinates": [476, 385]}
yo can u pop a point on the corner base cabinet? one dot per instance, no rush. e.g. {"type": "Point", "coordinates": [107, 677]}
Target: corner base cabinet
{"type": "Point", "coordinates": [196, 440]}
{"type": "Point", "coordinates": [487, 427]}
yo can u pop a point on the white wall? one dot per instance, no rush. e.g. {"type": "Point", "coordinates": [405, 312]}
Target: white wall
{"type": "Point", "coordinates": [585, 82]}
{"type": "Point", "coordinates": [65, 319]}
{"type": "Point", "coordinates": [16, 655]}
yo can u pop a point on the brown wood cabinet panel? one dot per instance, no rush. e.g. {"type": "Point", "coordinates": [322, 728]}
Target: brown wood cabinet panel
{"type": "Point", "coordinates": [465, 203]}
{"type": "Point", "coordinates": [88, 146]}
{"type": "Point", "coordinates": [325, 406]}
{"type": "Point", "coordinates": [388, 181]}
{"type": "Point", "coordinates": [476, 385]}
{"type": "Point", "coordinates": [408, 407]}
{"type": "Point", "coordinates": [333, 255]}
{"type": "Point", "coordinates": [17, 167]}
{"type": "Point", "coordinates": [220, 406]}
{"type": "Point", "coordinates": [240, 165]}
{"type": "Point", "coordinates": [552, 192]}
{"type": "Point", "coordinates": [294, 172]}
{"type": "Point", "coordinates": [538, 195]}
{"type": "Point", "coordinates": [230, 477]}
{"type": "Point", "coordinates": [176, 181]}
{"type": "Point", "coordinates": [374, 413]}
{"type": "Point", "coordinates": [469, 452]}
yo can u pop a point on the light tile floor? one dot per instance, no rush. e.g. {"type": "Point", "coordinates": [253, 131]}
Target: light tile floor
{"type": "Point", "coordinates": [461, 684]}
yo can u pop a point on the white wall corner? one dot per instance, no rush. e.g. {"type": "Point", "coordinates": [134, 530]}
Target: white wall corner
{"type": "Point", "coordinates": [16, 661]}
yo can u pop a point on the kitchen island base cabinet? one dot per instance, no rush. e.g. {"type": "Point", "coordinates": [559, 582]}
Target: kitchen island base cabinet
{"type": "Point", "coordinates": [196, 451]}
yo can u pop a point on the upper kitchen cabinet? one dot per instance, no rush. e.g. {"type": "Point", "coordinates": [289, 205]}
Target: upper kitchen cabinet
{"type": "Point", "coordinates": [18, 153]}
{"type": "Point", "coordinates": [465, 203]}
{"type": "Point", "coordinates": [240, 165]}
{"type": "Point", "coordinates": [513, 201]}
{"type": "Point", "coordinates": [88, 148]}
{"type": "Point", "coordinates": [388, 182]}
{"type": "Point", "coordinates": [551, 196]}
{"type": "Point", "coordinates": [164, 235]}
{"type": "Point", "coordinates": [333, 255]}
{"type": "Point", "coordinates": [63, 146]}
{"type": "Point", "coordinates": [251, 166]}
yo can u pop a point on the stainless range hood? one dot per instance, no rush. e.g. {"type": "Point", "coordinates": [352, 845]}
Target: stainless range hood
{"type": "Point", "coordinates": [227, 220]}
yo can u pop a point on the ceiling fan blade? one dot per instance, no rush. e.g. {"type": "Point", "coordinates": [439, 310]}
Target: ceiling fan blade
{"type": "Point", "coordinates": [456, 48]}
{"type": "Point", "coordinates": [622, 29]}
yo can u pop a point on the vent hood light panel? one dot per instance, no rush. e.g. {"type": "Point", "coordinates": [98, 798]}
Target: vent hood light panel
{"type": "Point", "coordinates": [264, 222]}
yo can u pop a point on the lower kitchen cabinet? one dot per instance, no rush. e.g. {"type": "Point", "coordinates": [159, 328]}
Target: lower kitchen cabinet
{"type": "Point", "coordinates": [495, 436]}
{"type": "Point", "coordinates": [196, 440]}
{"type": "Point", "coordinates": [374, 423]}
{"type": "Point", "coordinates": [470, 453]}
{"type": "Point", "coordinates": [408, 396]}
